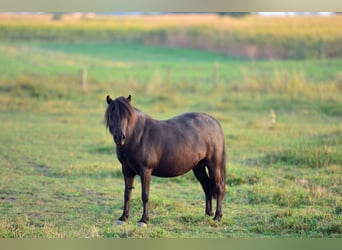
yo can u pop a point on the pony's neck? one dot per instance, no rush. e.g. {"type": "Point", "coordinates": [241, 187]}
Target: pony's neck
{"type": "Point", "coordinates": [138, 123]}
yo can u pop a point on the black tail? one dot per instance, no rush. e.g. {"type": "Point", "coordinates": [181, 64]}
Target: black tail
{"type": "Point", "coordinates": [222, 174]}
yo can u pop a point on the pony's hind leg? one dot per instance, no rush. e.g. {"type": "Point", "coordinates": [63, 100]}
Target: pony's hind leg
{"type": "Point", "coordinates": [203, 178]}
{"type": "Point", "coordinates": [219, 194]}
{"type": "Point", "coordinates": [217, 181]}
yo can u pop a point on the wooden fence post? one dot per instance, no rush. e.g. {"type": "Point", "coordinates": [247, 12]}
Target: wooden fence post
{"type": "Point", "coordinates": [84, 80]}
{"type": "Point", "coordinates": [215, 73]}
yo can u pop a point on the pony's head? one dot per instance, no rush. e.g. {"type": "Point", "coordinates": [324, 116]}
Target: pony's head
{"type": "Point", "coordinates": [119, 118]}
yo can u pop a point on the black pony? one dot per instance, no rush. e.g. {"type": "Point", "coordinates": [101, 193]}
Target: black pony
{"type": "Point", "coordinates": [145, 147]}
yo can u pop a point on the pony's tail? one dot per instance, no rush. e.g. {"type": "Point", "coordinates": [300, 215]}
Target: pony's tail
{"type": "Point", "coordinates": [222, 174]}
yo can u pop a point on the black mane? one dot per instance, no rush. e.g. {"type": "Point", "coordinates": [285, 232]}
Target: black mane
{"type": "Point", "coordinates": [120, 105]}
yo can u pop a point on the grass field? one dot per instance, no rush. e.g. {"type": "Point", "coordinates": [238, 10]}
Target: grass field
{"type": "Point", "coordinates": [58, 170]}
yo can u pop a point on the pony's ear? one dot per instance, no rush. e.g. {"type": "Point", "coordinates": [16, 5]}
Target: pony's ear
{"type": "Point", "coordinates": [129, 98]}
{"type": "Point", "coordinates": [108, 99]}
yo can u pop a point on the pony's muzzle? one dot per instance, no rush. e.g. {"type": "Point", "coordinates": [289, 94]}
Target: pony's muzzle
{"type": "Point", "coordinates": [119, 139]}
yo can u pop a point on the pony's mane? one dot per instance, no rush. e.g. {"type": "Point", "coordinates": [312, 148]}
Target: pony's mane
{"type": "Point", "coordinates": [120, 105]}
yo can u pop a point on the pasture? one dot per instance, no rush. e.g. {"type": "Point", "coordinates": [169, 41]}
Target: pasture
{"type": "Point", "coordinates": [282, 121]}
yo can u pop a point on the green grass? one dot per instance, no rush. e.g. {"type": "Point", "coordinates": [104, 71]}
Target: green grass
{"type": "Point", "coordinates": [58, 170]}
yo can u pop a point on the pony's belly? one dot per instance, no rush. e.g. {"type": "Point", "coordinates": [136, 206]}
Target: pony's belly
{"type": "Point", "coordinates": [171, 171]}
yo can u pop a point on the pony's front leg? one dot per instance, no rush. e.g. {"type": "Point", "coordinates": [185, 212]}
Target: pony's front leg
{"type": "Point", "coordinates": [129, 180]}
{"type": "Point", "coordinates": [145, 177]}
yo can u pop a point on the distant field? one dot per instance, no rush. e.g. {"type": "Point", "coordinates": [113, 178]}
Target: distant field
{"type": "Point", "coordinates": [250, 37]}
{"type": "Point", "coordinates": [58, 170]}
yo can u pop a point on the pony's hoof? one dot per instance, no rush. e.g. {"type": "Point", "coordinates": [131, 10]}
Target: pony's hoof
{"type": "Point", "coordinates": [209, 213]}
{"type": "Point", "coordinates": [217, 218]}
{"type": "Point", "coordinates": [120, 222]}
{"type": "Point", "coordinates": [142, 224]}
